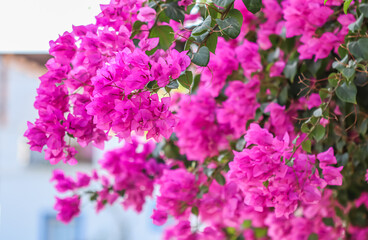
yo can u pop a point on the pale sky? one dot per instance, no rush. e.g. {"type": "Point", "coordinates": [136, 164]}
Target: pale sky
{"type": "Point", "coordinates": [27, 26]}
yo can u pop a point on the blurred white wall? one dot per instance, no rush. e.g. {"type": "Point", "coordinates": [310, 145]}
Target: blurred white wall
{"type": "Point", "coordinates": [29, 25]}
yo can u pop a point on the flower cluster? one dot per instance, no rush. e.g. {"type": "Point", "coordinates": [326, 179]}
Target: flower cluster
{"type": "Point", "coordinates": [64, 183]}
{"type": "Point", "coordinates": [309, 220]}
{"type": "Point", "coordinates": [223, 206]}
{"type": "Point", "coordinates": [183, 231]}
{"type": "Point", "coordinates": [304, 18]}
{"type": "Point", "coordinates": [199, 134]}
{"type": "Point", "coordinates": [240, 106]}
{"type": "Point", "coordinates": [222, 64]}
{"type": "Point", "coordinates": [178, 189]}
{"type": "Point", "coordinates": [263, 173]}
{"type": "Point", "coordinates": [68, 208]}
{"type": "Point", "coordinates": [131, 174]}
{"type": "Point", "coordinates": [247, 152]}
{"type": "Point", "coordinates": [66, 88]}
{"type": "Point", "coordinates": [96, 83]}
{"type": "Point", "coordinates": [280, 121]}
{"type": "Point", "coordinates": [272, 25]}
{"type": "Point", "coordinates": [120, 101]}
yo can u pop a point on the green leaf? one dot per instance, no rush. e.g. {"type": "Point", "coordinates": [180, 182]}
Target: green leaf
{"type": "Point", "coordinates": [163, 18]}
{"type": "Point", "coordinates": [203, 28]}
{"type": "Point", "coordinates": [359, 48]}
{"type": "Point", "coordinates": [240, 237]}
{"type": "Point", "coordinates": [343, 159]}
{"type": "Point", "coordinates": [325, 2]}
{"type": "Point", "coordinates": [305, 128]}
{"type": "Point", "coordinates": [201, 38]}
{"type": "Point", "coordinates": [363, 127]}
{"type": "Point", "coordinates": [348, 72]}
{"type": "Point", "coordinates": [202, 57]}
{"type": "Point", "coordinates": [290, 162]}
{"type": "Point", "coordinates": [70, 135]}
{"type": "Point", "coordinates": [259, 113]}
{"type": "Point", "coordinates": [290, 69]}
{"type": "Point", "coordinates": [173, 85]}
{"type": "Point", "coordinates": [274, 39]}
{"type": "Point", "coordinates": [213, 13]}
{"type": "Point", "coordinates": [240, 144]}
{"type": "Point", "coordinates": [237, 14]}
{"type": "Point", "coordinates": [314, 120]}
{"type": "Point", "coordinates": [307, 146]}
{"type": "Point", "coordinates": [313, 236]}
{"type": "Point", "coordinates": [223, 3]}
{"type": "Point", "coordinates": [174, 11]}
{"type": "Point", "coordinates": [136, 42]}
{"type": "Point", "coordinates": [208, 171]}
{"type": "Point", "coordinates": [212, 42]}
{"type": "Point", "coordinates": [346, 5]}
{"type": "Point", "coordinates": [165, 34]}
{"type": "Point", "coordinates": [220, 179]}
{"type": "Point", "coordinates": [314, 66]}
{"type": "Point", "coordinates": [202, 190]}
{"type": "Point", "coordinates": [342, 51]}
{"type": "Point", "coordinates": [153, 5]}
{"type": "Point", "coordinates": [319, 132]}
{"type": "Point", "coordinates": [230, 26]}
{"type": "Point", "coordinates": [273, 56]}
{"type": "Point", "coordinates": [121, 193]}
{"type": "Point", "coordinates": [355, 26]}
{"type": "Point", "coordinates": [195, 210]}
{"type": "Point", "coordinates": [196, 81]}
{"type": "Point", "coordinates": [260, 232]}
{"type": "Point", "coordinates": [318, 112]}
{"type": "Point", "coordinates": [190, 8]}
{"type": "Point", "coordinates": [347, 92]}
{"type": "Point", "coordinates": [363, 8]}
{"type": "Point", "coordinates": [186, 79]}
{"type": "Point", "coordinates": [326, 114]}
{"type": "Point", "coordinates": [247, 224]}
{"type": "Point", "coordinates": [328, 222]}
{"type": "Point", "coordinates": [167, 89]}
{"type": "Point", "coordinates": [323, 93]}
{"type": "Point", "coordinates": [188, 43]}
{"type": "Point", "coordinates": [339, 212]}
{"type": "Point", "coordinates": [231, 230]}
{"type": "Point", "coordinates": [340, 65]}
{"type": "Point", "coordinates": [253, 6]}
{"type": "Point", "coordinates": [283, 96]}
{"type": "Point", "coordinates": [94, 196]}
{"type": "Point", "coordinates": [333, 80]}
{"type": "Point", "coordinates": [151, 84]}
{"type": "Point", "coordinates": [136, 28]}
{"type": "Point", "coordinates": [138, 24]}
{"type": "Point", "coordinates": [295, 139]}
{"type": "Point", "coordinates": [151, 52]}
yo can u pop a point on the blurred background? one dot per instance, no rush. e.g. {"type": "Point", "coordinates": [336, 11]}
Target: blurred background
{"type": "Point", "coordinates": [26, 195]}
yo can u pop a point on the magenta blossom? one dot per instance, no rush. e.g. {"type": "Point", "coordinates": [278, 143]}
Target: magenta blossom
{"type": "Point", "coordinates": [67, 207]}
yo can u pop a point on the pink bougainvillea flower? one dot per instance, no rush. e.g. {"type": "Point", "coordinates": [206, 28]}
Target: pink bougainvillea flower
{"type": "Point", "coordinates": [68, 208]}
{"type": "Point", "coordinates": [159, 217]}
{"type": "Point", "coordinates": [146, 14]}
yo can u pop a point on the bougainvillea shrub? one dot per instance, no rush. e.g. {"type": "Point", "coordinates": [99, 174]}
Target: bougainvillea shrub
{"type": "Point", "coordinates": [255, 114]}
